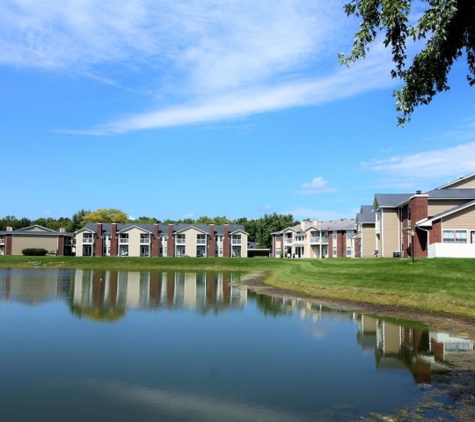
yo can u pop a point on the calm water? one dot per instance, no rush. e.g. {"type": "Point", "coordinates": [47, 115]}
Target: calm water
{"type": "Point", "coordinates": [81, 345]}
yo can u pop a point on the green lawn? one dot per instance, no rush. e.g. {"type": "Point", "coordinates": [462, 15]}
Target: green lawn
{"type": "Point", "coordinates": [434, 285]}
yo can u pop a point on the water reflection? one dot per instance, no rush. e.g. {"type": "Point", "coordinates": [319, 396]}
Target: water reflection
{"type": "Point", "coordinates": [200, 346]}
{"type": "Point", "coordinates": [106, 295]}
{"type": "Point", "coordinates": [396, 345]}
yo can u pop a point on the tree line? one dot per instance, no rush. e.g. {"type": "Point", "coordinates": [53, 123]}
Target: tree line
{"type": "Point", "coordinates": [259, 229]}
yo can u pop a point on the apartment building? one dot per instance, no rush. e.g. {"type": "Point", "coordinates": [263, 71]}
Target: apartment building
{"type": "Point", "coordinates": [159, 240]}
{"type": "Point", "coordinates": [437, 223]}
{"type": "Point", "coordinates": [315, 239]}
{"type": "Point", "coordinates": [12, 242]}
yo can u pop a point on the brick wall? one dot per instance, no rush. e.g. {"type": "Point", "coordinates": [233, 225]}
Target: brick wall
{"type": "Point", "coordinates": [98, 240]}
{"type": "Point", "coordinates": [170, 242]}
{"type": "Point", "coordinates": [114, 244]}
{"type": "Point", "coordinates": [155, 242]}
{"type": "Point", "coordinates": [419, 210]}
{"type": "Point", "coordinates": [212, 242]}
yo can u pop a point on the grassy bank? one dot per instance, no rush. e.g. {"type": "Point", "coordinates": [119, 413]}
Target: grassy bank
{"type": "Point", "coordinates": [440, 285]}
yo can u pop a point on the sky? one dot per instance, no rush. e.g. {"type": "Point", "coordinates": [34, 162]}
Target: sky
{"type": "Point", "coordinates": [194, 108]}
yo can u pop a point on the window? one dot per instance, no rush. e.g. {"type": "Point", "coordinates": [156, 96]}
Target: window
{"type": "Point", "coordinates": [201, 238]}
{"type": "Point", "coordinates": [180, 238]}
{"type": "Point", "coordinates": [455, 236]}
{"type": "Point", "coordinates": [144, 238]}
{"type": "Point", "coordinates": [124, 238]}
{"type": "Point", "coordinates": [277, 238]}
{"type": "Point", "coordinates": [348, 251]}
{"type": "Point", "coordinates": [334, 251]}
{"type": "Point", "coordinates": [334, 235]}
{"type": "Point", "coordinates": [278, 252]}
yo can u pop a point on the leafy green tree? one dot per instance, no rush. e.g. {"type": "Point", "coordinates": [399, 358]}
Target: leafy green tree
{"type": "Point", "coordinates": [146, 220]}
{"type": "Point", "coordinates": [77, 221]}
{"type": "Point", "coordinates": [14, 223]}
{"type": "Point", "coordinates": [448, 28]}
{"type": "Point", "coordinates": [105, 215]}
{"type": "Point", "coordinates": [271, 223]}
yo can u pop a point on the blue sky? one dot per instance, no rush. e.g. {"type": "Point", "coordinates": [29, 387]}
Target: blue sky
{"type": "Point", "coordinates": [190, 108]}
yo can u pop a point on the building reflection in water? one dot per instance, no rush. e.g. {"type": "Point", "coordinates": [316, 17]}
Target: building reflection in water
{"type": "Point", "coordinates": [107, 295]}
{"type": "Point", "coordinates": [396, 346]}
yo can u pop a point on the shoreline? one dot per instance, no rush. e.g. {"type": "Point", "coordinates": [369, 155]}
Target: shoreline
{"type": "Point", "coordinates": [451, 394]}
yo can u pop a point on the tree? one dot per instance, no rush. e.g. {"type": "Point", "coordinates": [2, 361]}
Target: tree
{"type": "Point", "coordinates": [105, 215]}
{"type": "Point", "coordinates": [77, 220]}
{"type": "Point", "coordinates": [448, 26]}
{"type": "Point", "coordinates": [14, 223]}
{"type": "Point", "coordinates": [146, 220]}
{"type": "Point", "coordinates": [271, 223]}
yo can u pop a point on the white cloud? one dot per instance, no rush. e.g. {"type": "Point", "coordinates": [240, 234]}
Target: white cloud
{"type": "Point", "coordinates": [316, 185]}
{"type": "Point", "coordinates": [206, 62]}
{"type": "Point", "coordinates": [188, 215]}
{"type": "Point", "coordinates": [430, 164]}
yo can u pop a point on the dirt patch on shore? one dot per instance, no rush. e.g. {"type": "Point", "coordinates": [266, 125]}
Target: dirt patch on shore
{"type": "Point", "coordinates": [451, 395]}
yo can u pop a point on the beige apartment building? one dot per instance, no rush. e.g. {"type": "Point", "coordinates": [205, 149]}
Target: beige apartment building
{"type": "Point", "coordinates": [437, 223]}
{"type": "Point", "coordinates": [12, 242]}
{"type": "Point", "coordinates": [315, 239]}
{"type": "Point", "coordinates": [159, 240]}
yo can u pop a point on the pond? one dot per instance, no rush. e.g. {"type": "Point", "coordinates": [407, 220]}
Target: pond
{"type": "Point", "coordinates": [81, 345]}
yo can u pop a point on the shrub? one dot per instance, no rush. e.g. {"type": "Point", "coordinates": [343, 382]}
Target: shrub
{"type": "Point", "coordinates": [34, 252]}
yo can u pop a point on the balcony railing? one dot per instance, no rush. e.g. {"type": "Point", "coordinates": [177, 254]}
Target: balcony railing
{"type": "Point", "coordinates": [87, 240]}
{"type": "Point", "coordinates": [201, 241]}
{"type": "Point", "coordinates": [123, 240]}
{"type": "Point", "coordinates": [319, 239]}
{"type": "Point", "coordinates": [288, 240]}
{"type": "Point", "coordinates": [236, 241]}
{"type": "Point", "coordinates": [144, 240]}
{"type": "Point", "coordinates": [180, 241]}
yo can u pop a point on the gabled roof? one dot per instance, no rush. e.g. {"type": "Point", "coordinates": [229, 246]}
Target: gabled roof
{"type": "Point", "coordinates": [390, 200]}
{"type": "Point", "coordinates": [461, 193]}
{"type": "Point", "coordinates": [36, 230]}
{"type": "Point", "coordinates": [187, 227]}
{"type": "Point", "coordinates": [134, 226]}
{"type": "Point", "coordinates": [163, 228]}
{"type": "Point", "coordinates": [366, 215]}
{"type": "Point", "coordinates": [454, 182]}
{"type": "Point", "coordinates": [335, 225]}
{"type": "Point", "coordinates": [429, 221]}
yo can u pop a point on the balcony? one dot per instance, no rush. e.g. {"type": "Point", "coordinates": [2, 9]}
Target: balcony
{"type": "Point", "coordinates": [123, 240]}
{"type": "Point", "coordinates": [236, 241]}
{"type": "Point", "coordinates": [201, 241]}
{"type": "Point", "coordinates": [145, 240]}
{"type": "Point", "coordinates": [318, 239]}
{"type": "Point", "coordinates": [180, 241]}
{"type": "Point", "coordinates": [87, 240]}
{"type": "Point", "coordinates": [288, 241]}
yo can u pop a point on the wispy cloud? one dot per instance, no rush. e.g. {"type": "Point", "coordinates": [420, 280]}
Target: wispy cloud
{"type": "Point", "coordinates": [415, 170]}
{"type": "Point", "coordinates": [430, 164]}
{"type": "Point", "coordinates": [316, 185]}
{"type": "Point", "coordinates": [201, 62]}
